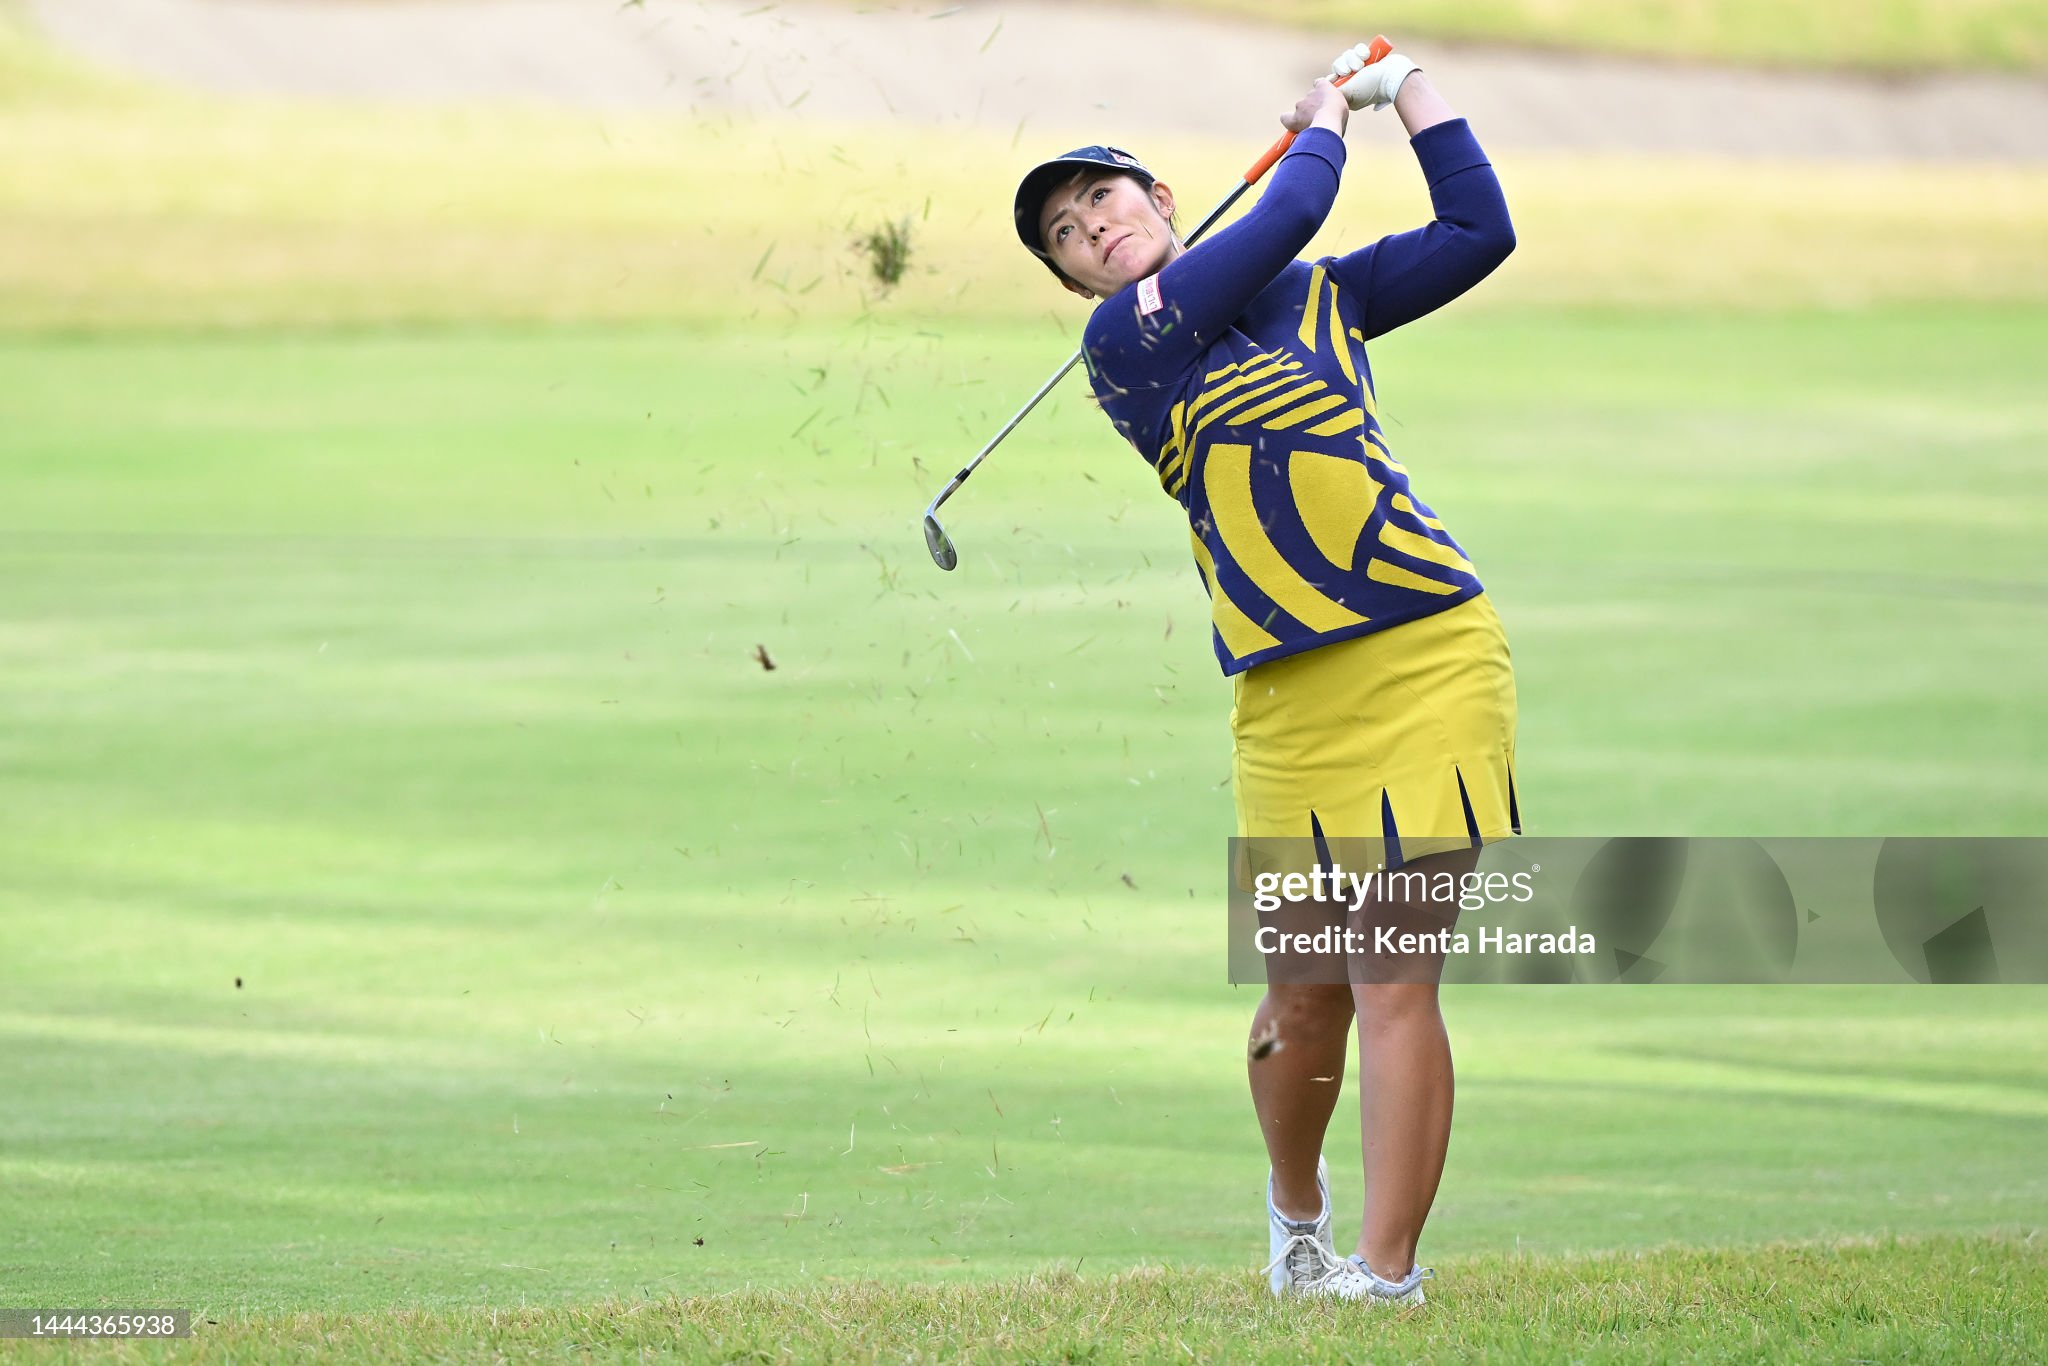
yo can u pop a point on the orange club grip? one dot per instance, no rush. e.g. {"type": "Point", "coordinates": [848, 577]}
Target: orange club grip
{"type": "Point", "coordinates": [1380, 48]}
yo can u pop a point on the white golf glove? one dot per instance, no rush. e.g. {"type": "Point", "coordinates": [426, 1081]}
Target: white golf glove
{"type": "Point", "coordinates": [1376, 85]}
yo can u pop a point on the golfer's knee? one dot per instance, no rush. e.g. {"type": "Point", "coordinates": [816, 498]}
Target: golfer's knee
{"type": "Point", "coordinates": [1389, 1006]}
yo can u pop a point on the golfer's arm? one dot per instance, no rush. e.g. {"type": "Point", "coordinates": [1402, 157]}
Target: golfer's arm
{"type": "Point", "coordinates": [1420, 106]}
{"type": "Point", "coordinates": [1208, 287]}
{"type": "Point", "coordinates": [1404, 276]}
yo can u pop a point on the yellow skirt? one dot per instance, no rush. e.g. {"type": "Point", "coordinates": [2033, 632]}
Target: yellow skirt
{"type": "Point", "coordinates": [1380, 749]}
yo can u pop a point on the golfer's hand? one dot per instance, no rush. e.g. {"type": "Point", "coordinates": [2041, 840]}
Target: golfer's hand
{"type": "Point", "coordinates": [1322, 107]}
{"type": "Point", "coordinates": [1376, 85]}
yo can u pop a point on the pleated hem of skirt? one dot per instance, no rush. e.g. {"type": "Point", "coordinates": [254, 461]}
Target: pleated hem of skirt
{"type": "Point", "coordinates": [1462, 806]}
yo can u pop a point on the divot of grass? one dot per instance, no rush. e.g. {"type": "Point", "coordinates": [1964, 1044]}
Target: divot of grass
{"type": "Point", "coordinates": [887, 251]}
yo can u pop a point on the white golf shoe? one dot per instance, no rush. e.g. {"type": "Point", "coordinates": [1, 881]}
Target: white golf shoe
{"type": "Point", "coordinates": [1304, 1256]}
{"type": "Point", "coordinates": [1365, 1282]}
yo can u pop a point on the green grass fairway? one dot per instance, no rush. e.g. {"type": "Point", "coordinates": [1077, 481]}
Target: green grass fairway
{"type": "Point", "coordinates": [407, 679]}
{"type": "Point", "coordinates": [427, 931]}
{"type": "Point", "coordinates": [1933, 1300]}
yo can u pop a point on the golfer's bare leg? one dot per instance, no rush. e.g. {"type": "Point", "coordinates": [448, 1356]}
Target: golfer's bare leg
{"type": "Point", "coordinates": [1405, 1086]}
{"type": "Point", "coordinates": [1295, 1086]}
{"type": "Point", "coordinates": [1405, 1094]}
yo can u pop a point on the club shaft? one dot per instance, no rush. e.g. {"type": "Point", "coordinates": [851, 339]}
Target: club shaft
{"type": "Point", "coordinates": [1008, 427]}
{"type": "Point", "coordinates": [1220, 209]}
{"type": "Point", "coordinates": [1208, 221]}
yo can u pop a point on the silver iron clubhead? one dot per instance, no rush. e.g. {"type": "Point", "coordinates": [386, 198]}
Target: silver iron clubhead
{"type": "Point", "coordinates": [939, 543]}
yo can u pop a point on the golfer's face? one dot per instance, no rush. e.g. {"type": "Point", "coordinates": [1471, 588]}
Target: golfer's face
{"type": "Point", "coordinates": [1105, 230]}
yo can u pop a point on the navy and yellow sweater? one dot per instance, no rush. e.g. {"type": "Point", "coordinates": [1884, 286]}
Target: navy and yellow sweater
{"type": "Point", "coordinates": [1239, 372]}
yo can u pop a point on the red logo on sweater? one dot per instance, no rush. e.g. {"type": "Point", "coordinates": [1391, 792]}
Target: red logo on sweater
{"type": "Point", "coordinates": [1148, 296]}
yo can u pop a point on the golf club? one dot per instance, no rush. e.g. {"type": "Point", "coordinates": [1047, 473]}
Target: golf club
{"type": "Point", "coordinates": [935, 538]}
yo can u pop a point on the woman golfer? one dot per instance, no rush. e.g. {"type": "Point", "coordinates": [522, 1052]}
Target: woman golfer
{"type": "Point", "coordinates": [1374, 696]}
